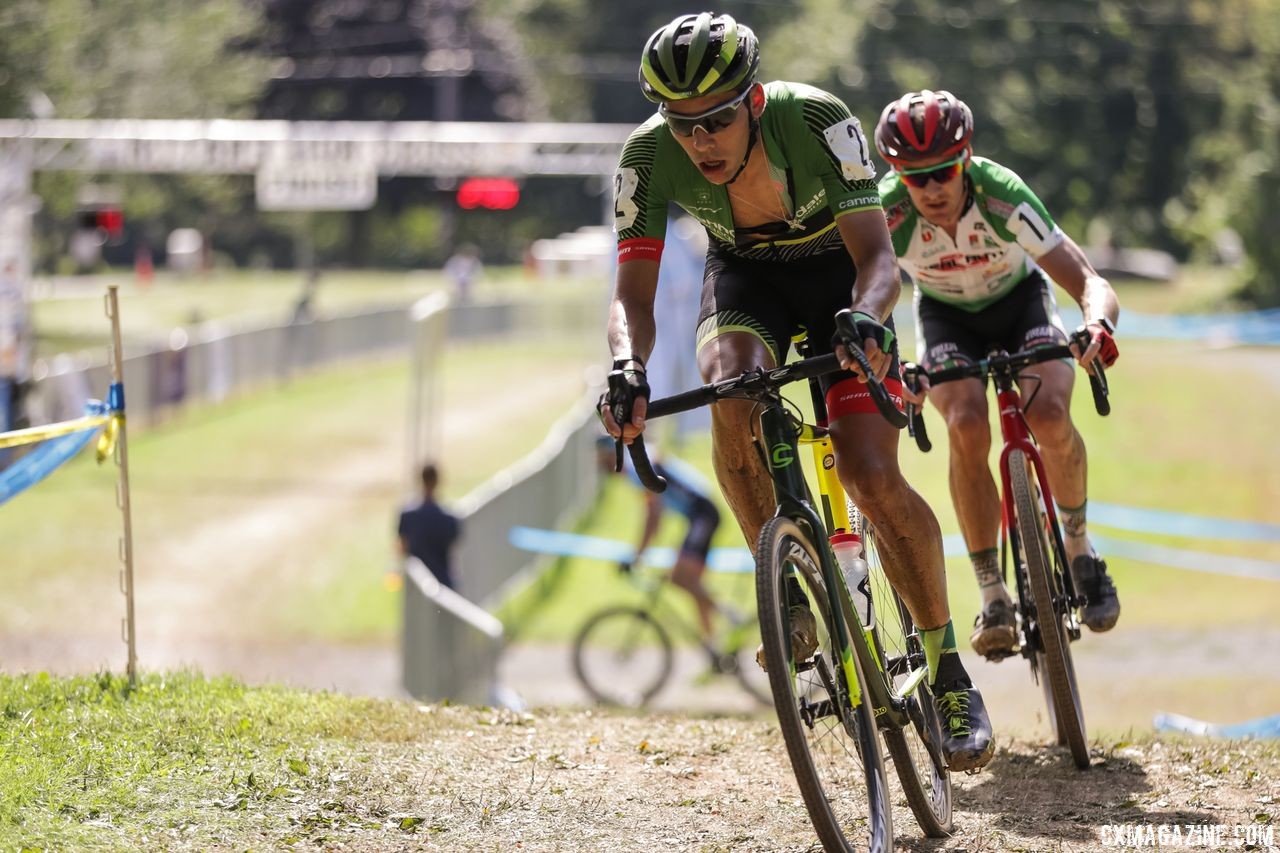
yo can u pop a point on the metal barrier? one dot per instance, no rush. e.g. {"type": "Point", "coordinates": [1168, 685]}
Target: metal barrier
{"type": "Point", "coordinates": [462, 641]}
{"type": "Point", "coordinates": [445, 651]}
{"type": "Point", "coordinates": [214, 361]}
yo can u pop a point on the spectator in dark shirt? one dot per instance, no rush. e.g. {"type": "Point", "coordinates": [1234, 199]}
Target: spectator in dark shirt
{"type": "Point", "coordinates": [428, 532]}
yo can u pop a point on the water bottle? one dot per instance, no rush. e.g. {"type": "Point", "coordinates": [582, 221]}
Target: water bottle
{"type": "Point", "coordinates": [848, 550]}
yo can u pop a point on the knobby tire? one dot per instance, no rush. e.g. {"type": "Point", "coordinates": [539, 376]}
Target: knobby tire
{"type": "Point", "coordinates": [857, 783]}
{"type": "Point", "coordinates": [1055, 656]}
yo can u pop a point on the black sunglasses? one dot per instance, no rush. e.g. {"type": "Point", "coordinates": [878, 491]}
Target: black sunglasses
{"type": "Point", "coordinates": [713, 120]}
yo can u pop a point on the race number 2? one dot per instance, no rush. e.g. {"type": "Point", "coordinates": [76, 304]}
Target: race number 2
{"type": "Point", "coordinates": [846, 141]}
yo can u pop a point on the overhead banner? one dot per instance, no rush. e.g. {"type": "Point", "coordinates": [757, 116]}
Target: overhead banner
{"type": "Point", "coordinates": [316, 185]}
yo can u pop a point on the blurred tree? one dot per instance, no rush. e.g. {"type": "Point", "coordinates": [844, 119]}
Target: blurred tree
{"type": "Point", "coordinates": [130, 59]}
{"type": "Point", "coordinates": [1235, 154]}
{"type": "Point", "coordinates": [393, 60]}
{"type": "Point", "coordinates": [1140, 123]}
{"type": "Point", "coordinates": [587, 55]}
{"type": "Point", "coordinates": [397, 60]}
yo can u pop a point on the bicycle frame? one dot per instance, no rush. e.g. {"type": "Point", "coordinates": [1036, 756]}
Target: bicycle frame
{"type": "Point", "coordinates": [1016, 436]}
{"type": "Point", "coordinates": [779, 443]}
{"type": "Point", "coordinates": [653, 594]}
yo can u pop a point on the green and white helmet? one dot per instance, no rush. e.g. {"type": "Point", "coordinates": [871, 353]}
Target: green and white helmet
{"type": "Point", "coordinates": [695, 55]}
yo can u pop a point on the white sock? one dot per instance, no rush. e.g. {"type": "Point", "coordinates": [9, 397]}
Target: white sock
{"type": "Point", "coordinates": [986, 568]}
{"type": "Point", "coordinates": [1075, 535]}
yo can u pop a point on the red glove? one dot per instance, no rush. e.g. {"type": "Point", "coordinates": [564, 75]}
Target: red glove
{"type": "Point", "coordinates": [1101, 335]}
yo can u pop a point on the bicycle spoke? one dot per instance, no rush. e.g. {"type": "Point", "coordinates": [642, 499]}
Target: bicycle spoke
{"type": "Point", "coordinates": [1052, 611]}
{"type": "Point", "coordinates": [833, 747]}
{"type": "Point", "coordinates": [920, 770]}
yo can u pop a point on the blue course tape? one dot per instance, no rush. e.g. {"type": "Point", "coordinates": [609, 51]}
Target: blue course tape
{"type": "Point", "coordinates": [1181, 524]}
{"type": "Point", "coordinates": [1257, 328]}
{"type": "Point", "coordinates": [1263, 727]}
{"type": "Point", "coordinates": [41, 461]}
{"type": "Point", "coordinates": [560, 544]}
{"type": "Point", "coordinates": [1196, 561]}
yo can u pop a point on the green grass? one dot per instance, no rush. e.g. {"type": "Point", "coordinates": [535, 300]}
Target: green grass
{"type": "Point", "coordinates": [185, 763]}
{"type": "Point", "coordinates": [88, 764]}
{"type": "Point", "coordinates": [1196, 289]}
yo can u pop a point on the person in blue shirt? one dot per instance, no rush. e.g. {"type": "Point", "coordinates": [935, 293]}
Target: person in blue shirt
{"type": "Point", "coordinates": [688, 494]}
{"type": "Point", "coordinates": [427, 531]}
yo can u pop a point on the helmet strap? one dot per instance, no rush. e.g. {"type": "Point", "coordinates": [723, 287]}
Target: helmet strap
{"type": "Point", "coordinates": [751, 144]}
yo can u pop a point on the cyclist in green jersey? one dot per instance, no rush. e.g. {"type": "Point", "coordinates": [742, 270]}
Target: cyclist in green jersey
{"type": "Point", "coordinates": [976, 242]}
{"type": "Point", "coordinates": [781, 177]}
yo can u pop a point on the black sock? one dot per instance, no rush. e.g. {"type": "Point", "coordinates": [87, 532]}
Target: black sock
{"type": "Point", "coordinates": [951, 674]}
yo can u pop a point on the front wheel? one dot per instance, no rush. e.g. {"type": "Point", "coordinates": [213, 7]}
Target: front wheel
{"type": "Point", "coordinates": [1052, 609]}
{"type": "Point", "coordinates": [622, 656]}
{"type": "Point", "coordinates": [832, 743]}
{"type": "Point", "coordinates": [917, 757]}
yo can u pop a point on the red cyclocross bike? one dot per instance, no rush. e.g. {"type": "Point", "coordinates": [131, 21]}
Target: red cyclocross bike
{"type": "Point", "coordinates": [1047, 599]}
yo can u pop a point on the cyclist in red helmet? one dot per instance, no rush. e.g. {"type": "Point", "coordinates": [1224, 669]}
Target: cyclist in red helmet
{"type": "Point", "coordinates": [780, 174]}
{"type": "Point", "coordinates": [977, 244]}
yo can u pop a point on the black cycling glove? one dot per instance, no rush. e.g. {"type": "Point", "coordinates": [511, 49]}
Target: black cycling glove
{"type": "Point", "coordinates": [866, 326]}
{"type": "Point", "coordinates": [627, 383]}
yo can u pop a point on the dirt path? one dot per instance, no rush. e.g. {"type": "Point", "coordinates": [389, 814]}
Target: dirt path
{"type": "Point", "coordinates": [1125, 679]}
{"type": "Point", "coordinates": [579, 781]}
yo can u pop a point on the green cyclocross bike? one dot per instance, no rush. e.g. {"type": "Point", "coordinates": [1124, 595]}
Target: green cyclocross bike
{"type": "Point", "coordinates": [865, 692]}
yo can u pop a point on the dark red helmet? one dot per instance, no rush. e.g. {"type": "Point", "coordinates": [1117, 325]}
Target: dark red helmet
{"type": "Point", "coordinates": [923, 125]}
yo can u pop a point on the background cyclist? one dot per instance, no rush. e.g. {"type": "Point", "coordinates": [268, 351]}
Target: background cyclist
{"type": "Point", "coordinates": [976, 243]}
{"type": "Point", "coordinates": [689, 495]}
{"type": "Point", "coordinates": [781, 177]}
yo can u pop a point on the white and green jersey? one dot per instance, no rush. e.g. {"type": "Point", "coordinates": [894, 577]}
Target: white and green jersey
{"type": "Point", "coordinates": [1001, 233]}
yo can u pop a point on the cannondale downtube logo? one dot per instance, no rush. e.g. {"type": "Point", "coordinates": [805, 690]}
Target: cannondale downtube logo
{"type": "Point", "coordinates": [782, 455]}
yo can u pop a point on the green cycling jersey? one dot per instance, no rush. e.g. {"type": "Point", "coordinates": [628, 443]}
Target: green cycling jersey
{"type": "Point", "coordinates": [816, 153]}
{"type": "Point", "coordinates": [1003, 230]}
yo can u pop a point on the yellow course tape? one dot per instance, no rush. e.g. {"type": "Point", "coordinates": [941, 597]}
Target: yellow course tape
{"type": "Point", "coordinates": [42, 433]}
{"type": "Point", "coordinates": [107, 441]}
